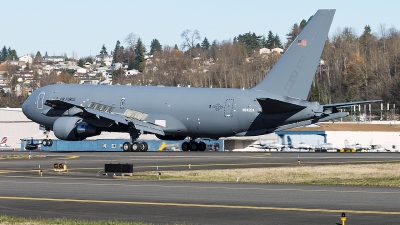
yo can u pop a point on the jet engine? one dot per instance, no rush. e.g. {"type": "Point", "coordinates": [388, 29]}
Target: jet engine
{"type": "Point", "coordinates": [74, 129]}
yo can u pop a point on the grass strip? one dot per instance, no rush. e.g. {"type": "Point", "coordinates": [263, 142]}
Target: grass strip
{"type": "Point", "coordinates": [8, 220]}
{"type": "Point", "coordinates": [379, 174]}
{"type": "Point", "coordinates": [7, 156]}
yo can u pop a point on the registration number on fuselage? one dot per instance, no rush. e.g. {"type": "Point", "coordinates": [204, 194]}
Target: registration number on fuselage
{"type": "Point", "coordinates": [248, 110]}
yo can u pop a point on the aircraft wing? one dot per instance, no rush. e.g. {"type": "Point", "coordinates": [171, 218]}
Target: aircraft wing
{"type": "Point", "coordinates": [115, 117]}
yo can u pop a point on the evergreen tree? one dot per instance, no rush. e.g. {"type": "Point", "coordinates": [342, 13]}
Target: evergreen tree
{"type": "Point", "coordinates": [278, 43]}
{"type": "Point", "coordinates": [263, 42]}
{"type": "Point", "coordinates": [176, 47]}
{"type": "Point", "coordinates": [103, 50]}
{"type": "Point", "coordinates": [3, 56]}
{"type": "Point", "coordinates": [13, 55]}
{"type": "Point", "coordinates": [303, 23]}
{"type": "Point", "coordinates": [139, 62]}
{"type": "Point", "coordinates": [155, 46]}
{"type": "Point", "coordinates": [205, 45]}
{"type": "Point", "coordinates": [213, 50]}
{"type": "Point", "coordinates": [89, 60]}
{"type": "Point", "coordinates": [270, 40]}
{"type": "Point", "coordinates": [131, 64]}
{"type": "Point", "coordinates": [293, 34]}
{"type": "Point", "coordinates": [38, 57]}
{"type": "Point", "coordinates": [251, 41]}
{"type": "Point", "coordinates": [364, 39]}
{"type": "Point", "coordinates": [9, 53]}
{"type": "Point", "coordinates": [80, 63]}
{"type": "Point", "coordinates": [117, 54]}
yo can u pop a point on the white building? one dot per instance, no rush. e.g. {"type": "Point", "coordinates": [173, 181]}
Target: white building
{"type": "Point", "coordinates": [26, 59]}
{"type": "Point", "coordinates": [106, 59]}
{"type": "Point", "coordinates": [131, 72]}
{"type": "Point", "coordinates": [53, 58]}
{"type": "Point", "coordinates": [115, 66]}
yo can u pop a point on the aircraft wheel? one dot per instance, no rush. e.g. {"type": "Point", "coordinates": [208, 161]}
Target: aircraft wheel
{"type": "Point", "coordinates": [194, 146]}
{"type": "Point", "coordinates": [143, 146]}
{"type": "Point", "coordinates": [202, 146]}
{"type": "Point", "coordinates": [127, 147]}
{"type": "Point", "coordinates": [44, 142]}
{"type": "Point", "coordinates": [135, 147]}
{"type": "Point", "coordinates": [185, 146]}
{"type": "Point", "coordinates": [49, 142]}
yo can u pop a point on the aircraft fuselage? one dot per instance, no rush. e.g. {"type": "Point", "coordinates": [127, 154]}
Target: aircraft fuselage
{"type": "Point", "coordinates": [182, 111]}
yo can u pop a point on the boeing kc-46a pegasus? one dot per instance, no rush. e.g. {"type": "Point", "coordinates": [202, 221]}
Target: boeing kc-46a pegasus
{"type": "Point", "coordinates": [75, 112]}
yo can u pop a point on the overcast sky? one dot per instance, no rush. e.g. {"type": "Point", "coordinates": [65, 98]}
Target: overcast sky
{"type": "Point", "coordinates": [83, 26]}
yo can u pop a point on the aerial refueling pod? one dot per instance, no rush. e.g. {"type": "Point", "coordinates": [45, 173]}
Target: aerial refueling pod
{"type": "Point", "coordinates": [74, 129]}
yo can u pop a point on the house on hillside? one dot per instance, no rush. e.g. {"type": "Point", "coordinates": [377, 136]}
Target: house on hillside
{"type": "Point", "coordinates": [53, 58]}
{"type": "Point", "coordinates": [26, 59]}
{"type": "Point", "coordinates": [105, 58]}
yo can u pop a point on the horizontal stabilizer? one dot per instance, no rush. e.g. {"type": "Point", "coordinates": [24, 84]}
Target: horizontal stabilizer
{"type": "Point", "coordinates": [309, 122]}
{"type": "Point", "coordinates": [273, 106]}
{"type": "Point", "coordinates": [346, 104]}
{"type": "Point", "coordinates": [333, 116]}
{"type": "Point", "coordinates": [290, 126]}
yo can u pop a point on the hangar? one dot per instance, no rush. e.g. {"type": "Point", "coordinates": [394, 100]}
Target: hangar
{"type": "Point", "coordinates": [384, 133]}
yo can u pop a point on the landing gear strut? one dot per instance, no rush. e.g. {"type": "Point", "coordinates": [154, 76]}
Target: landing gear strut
{"type": "Point", "coordinates": [192, 145]}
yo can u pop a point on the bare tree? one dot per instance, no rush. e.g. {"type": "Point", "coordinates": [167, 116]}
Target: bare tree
{"type": "Point", "coordinates": [131, 40]}
{"type": "Point", "coordinates": [190, 40]}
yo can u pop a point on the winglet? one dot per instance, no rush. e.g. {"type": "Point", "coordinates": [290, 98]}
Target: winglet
{"type": "Point", "coordinates": [293, 74]}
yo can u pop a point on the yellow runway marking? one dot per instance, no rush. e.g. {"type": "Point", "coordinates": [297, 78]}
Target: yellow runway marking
{"type": "Point", "coordinates": [202, 205]}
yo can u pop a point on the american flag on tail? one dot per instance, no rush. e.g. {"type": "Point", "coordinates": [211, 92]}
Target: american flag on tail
{"type": "Point", "coordinates": [302, 43]}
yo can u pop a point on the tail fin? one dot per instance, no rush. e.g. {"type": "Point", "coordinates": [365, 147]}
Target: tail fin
{"type": "Point", "coordinates": [4, 140]}
{"type": "Point", "coordinates": [293, 74]}
{"type": "Point", "coordinates": [289, 140]}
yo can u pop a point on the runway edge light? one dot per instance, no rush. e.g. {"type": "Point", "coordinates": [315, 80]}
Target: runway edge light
{"type": "Point", "coordinates": [343, 218]}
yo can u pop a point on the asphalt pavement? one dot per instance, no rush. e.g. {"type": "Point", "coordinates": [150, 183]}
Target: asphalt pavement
{"type": "Point", "coordinates": [86, 193]}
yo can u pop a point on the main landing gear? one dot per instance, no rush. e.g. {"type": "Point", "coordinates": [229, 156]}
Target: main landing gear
{"type": "Point", "coordinates": [135, 146]}
{"type": "Point", "coordinates": [47, 142]}
{"type": "Point", "coordinates": [192, 145]}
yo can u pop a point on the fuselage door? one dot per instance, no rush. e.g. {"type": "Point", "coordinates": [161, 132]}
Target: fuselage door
{"type": "Point", "coordinates": [122, 103]}
{"type": "Point", "coordinates": [229, 105]}
{"type": "Point", "coordinates": [40, 98]}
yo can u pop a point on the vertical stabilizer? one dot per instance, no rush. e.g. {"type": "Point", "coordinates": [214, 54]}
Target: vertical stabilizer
{"type": "Point", "coordinates": [293, 74]}
{"type": "Point", "coordinates": [3, 140]}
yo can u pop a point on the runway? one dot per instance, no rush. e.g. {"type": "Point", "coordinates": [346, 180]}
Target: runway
{"type": "Point", "coordinates": [85, 193]}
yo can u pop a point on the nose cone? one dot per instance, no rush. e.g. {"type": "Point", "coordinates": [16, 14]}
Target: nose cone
{"type": "Point", "coordinates": [26, 110]}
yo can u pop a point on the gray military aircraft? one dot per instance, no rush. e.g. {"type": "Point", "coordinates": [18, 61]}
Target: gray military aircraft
{"type": "Point", "coordinates": [75, 112]}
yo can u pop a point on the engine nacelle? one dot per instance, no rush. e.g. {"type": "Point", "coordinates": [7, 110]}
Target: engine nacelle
{"type": "Point", "coordinates": [73, 129]}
